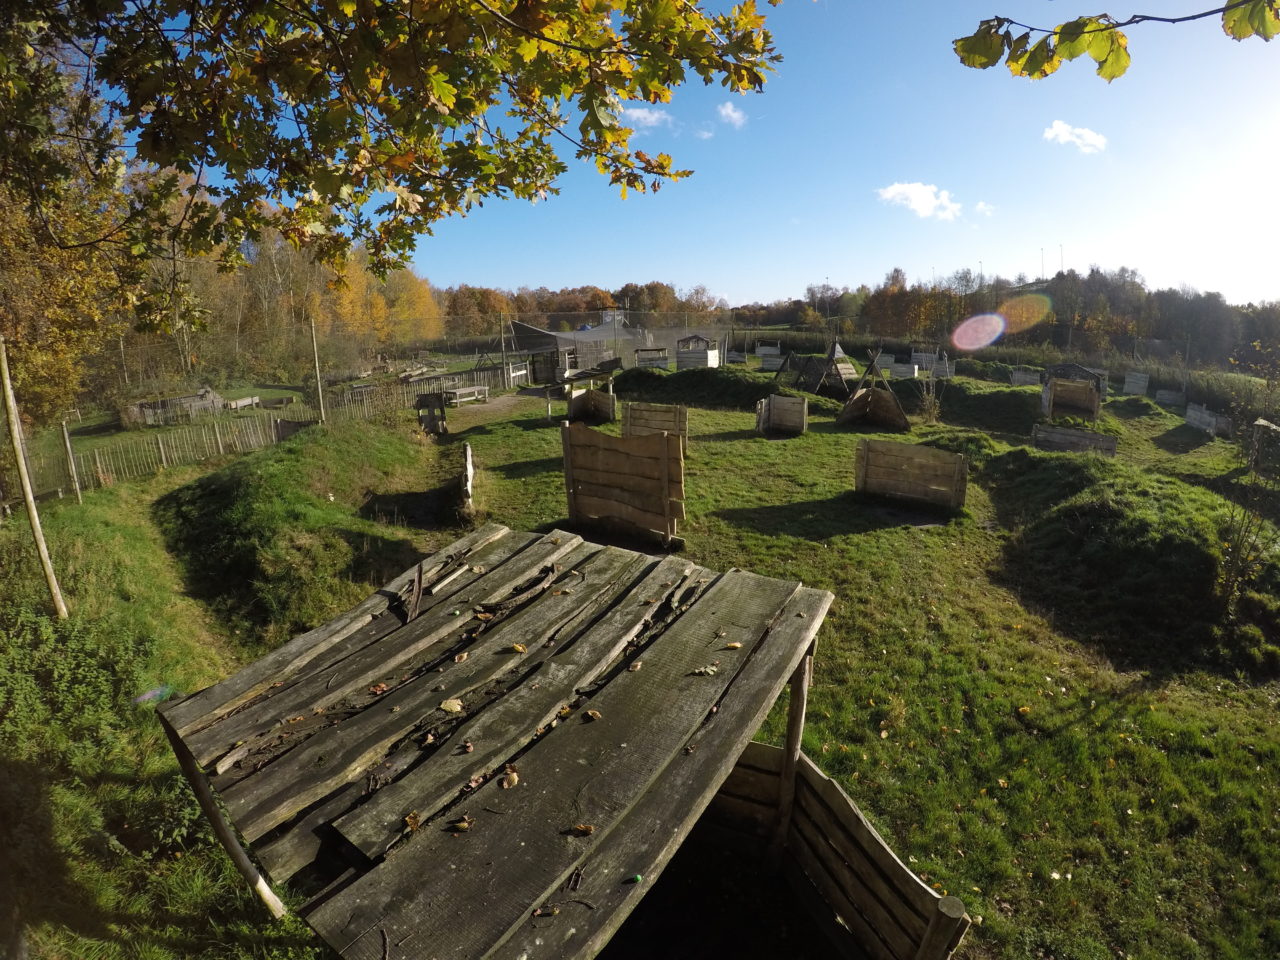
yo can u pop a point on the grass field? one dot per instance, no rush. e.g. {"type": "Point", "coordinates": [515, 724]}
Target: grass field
{"type": "Point", "coordinates": [1038, 701]}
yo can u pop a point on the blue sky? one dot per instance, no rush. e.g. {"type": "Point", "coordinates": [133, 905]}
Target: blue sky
{"type": "Point", "coordinates": [872, 147]}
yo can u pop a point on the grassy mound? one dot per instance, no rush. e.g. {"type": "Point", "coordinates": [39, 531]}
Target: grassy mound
{"type": "Point", "coordinates": [274, 540]}
{"type": "Point", "coordinates": [1126, 558]}
{"type": "Point", "coordinates": [712, 388]}
{"type": "Point", "coordinates": [1000, 410]}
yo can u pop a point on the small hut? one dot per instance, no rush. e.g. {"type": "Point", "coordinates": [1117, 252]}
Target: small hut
{"type": "Point", "coordinates": [697, 351]}
{"type": "Point", "coordinates": [828, 375]}
{"type": "Point", "coordinates": [653, 357]}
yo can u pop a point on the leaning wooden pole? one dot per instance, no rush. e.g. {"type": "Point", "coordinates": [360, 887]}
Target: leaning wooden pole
{"type": "Point", "coordinates": [791, 753]}
{"type": "Point", "coordinates": [209, 804]}
{"type": "Point", "coordinates": [71, 462]}
{"type": "Point", "coordinates": [24, 478]}
{"type": "Point", "coordinates": [315, 356]}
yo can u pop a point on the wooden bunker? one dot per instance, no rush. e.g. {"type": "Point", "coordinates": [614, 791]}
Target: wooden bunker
{"type": "Point", "coordinates": [592, 405]}
{"type": "Point", "coordinates": [1212, 423]}
{"type": "Point", "coordinates": [653, 357]}
{"type": "Point", "coordinates": [829, 374]}
{"type": "Point", "coordinates": [471, 763]}
{"type": "Point", "coordinates": [1070, 398]}
{"type": "Point", "coordinates": [874, 402]}
{"type": "Point", "coordinates": [636, 483]}
{"type": "Point", "coordinates": [1066, 439]}
{"type": "Point", "coordinates": [697, 351]}
{"type": "Point", "coordinates": [779, 414]}
{"type": "Point", "coordinates": [909, 471]}
{"type": "Point", "coordinates": [432, 414]}
{"type": "Point", "coordinates": [643, 419]}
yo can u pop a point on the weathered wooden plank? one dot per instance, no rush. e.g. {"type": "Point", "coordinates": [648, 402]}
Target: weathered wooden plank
{"type": "Point", "coordinates": [743, 814]}
{"type": "Point", "coordinates": [579, 773]}
{"type": "Point", "coordinates": [533, 705]}
{"type": "Point", "coordinates": [340, 753]}
{"type": "Point", "coordinates": [837, 932]}
{"type": "Point", "coordinates": [643, 503]}
{"type": "Point", "coordinates": [627, 481]}
{"type": "Point", "coordinates": [752, 784]}
{"type": "Point", "coordinates": [910, 451]}
{"type": "Point", "coordinates": [806, 860]}
{"type": "Point", "coordinates": [370, 664]}
{"type": "Point", "coordinates": [909, 887]}
{"type": "Point", "coordinates": [858, 882]}
{"type": "Point", "coordinates": [596, 507]}
{"type": "Point", "coordinates": [213, 702]}
{"type": "Point", "coordinates": [650, 834]}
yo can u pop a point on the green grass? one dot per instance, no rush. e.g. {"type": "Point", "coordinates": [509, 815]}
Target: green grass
{"type": "Point", "coordinates": [1027, 698]}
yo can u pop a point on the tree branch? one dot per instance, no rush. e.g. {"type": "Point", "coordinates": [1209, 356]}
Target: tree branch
{"type": "Point", "coordinates": [1135, 18]}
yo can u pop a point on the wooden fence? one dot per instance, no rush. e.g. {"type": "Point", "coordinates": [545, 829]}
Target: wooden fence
{"type": "Point", "coordinates": [643, 419]}
{"type": "Point", "coordinates": [636, 482]}
{"type": "Point", "coordinates": [1202, 418]}
{"type": "Point", "coordinates": [779, 414]}
{"type": "Point", "coordinates": [1070, 398]}
{"type": "Point", "coordinates": [592, 404]}
{"type": "Point", "coordinates": [1136, 383]}
{"type": "Point", "coordinates": [693, 358]}
{"type": "Point", "coordinates": [833, 856]}
{"type": "Point", "coordinates": [1046, 437]}
{"type": "Point", "coordinates": [911, 472]}
{"type": "Point", "coordinates": [1171, 398]}
{"type": "Point", "coordinates": [1024, 378]}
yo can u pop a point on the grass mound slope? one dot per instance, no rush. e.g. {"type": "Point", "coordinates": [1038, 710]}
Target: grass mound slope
{"type": "Point", "coordinates": [1126, 558]}
{"type": "Point", "coordinates": [275, 539]}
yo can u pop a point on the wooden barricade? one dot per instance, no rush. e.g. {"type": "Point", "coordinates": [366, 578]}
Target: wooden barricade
{"type": "Point", "coordinates": [592, 404]}
{"type": "Point", "coordinates": [1046, 437]}
{"type": "Point", "coordinates": [1070, 398]}
{"type": "Point", "coordinates": [1202, 418]}
{"type": "Point", "coordinates": [637, 482]}
{"type": "Point", "coordinates": [466, 484]}
{"type": "Point", "coordinates": [779, 414]}
{"type": "Point", "coordinates": [643, 419]}
{"type": "Point", "coordinates": [1024, 378]}
{"type": "Point", "coordinates": [284, 429]}
{"type": "Point", "coordinates": [1136, 383]}
{"type": "Point", "coordinates": [431, 414]}
{"type": "Point", "coordinates": [834, 857]}
{"type": "Point", "coordinates": [1171, 398]}
{"type": "Point", "coordinates": [911, 472]}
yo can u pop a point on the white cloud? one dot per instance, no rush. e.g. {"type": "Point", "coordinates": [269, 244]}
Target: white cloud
{"type": "Point", "coordinates": [732, 115]}
{"type": "Point", "coordinates": [645, 118]}
{"type": "Point", "coordinates": [924, 198]}
{"type": "Point", "coordinates": [984, 208]}
{"type": "Point", "coordinates": [704, 134]}
{"type": "Point", "coordinates": [1087, 140]}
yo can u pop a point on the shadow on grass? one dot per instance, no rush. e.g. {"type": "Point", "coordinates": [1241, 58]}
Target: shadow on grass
{"type": "Point", "coordinates": [538, 422]}
{"type": "Point", "coordinates": [523, 469]}
{"type": "Point", "coordinates": [1181, 439]}
{"type": "Point", "coordinates": [425, 510]}
{"type": "Point", "coordinates": [724, 436]}
{"type": "Point", "coordinates": [38, 887]}
{"type": "Point", "coordinates": [818, 520]}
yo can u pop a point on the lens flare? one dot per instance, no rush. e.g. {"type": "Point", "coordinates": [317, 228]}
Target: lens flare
{"type": "Point", "coordinates": [1024, 312]}
{"type": "Point", "coordinates": [980, 331]}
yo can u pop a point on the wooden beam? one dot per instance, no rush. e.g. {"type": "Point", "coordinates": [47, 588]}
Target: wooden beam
{"type": "Point", "coordinates": [791, 756]}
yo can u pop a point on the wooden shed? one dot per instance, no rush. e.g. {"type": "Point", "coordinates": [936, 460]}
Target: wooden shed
{"type": "Point", "coordinates": [653, 357]}
{"type": "Point", "coordinates": [1070, 398]}
{"type": "Point", "coordinates": [473, 763]}
{"type": "Point", "coordinates": [697, 351]}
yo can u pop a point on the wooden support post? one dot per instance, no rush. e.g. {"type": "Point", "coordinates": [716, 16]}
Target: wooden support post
{"type": "Point", "coordinates": [97, 463]}
{"type": "Point", "coordinates": [568, 468]}
{"type": "Point", "coordinates": [209, 804]}
{"type": "Point", "coordinates": [28, 495]}
{"type": "Point", "coordinates": [791, 753]}
{"type": "Point", "coordinates": [667, 527]}
{"type": "Point", "coordinates": [945, 930]}
{"type": "Point", "coordinates": [217, 435]}
{"type": "Point", "coordinates": [71, 462]}
{"type": "Point", "coordinates": [549, 417]}
{"type": "Point", "coordinates": [164, 460]}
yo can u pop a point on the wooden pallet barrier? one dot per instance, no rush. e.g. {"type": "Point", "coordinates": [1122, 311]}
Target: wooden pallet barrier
{"type": "Point", "coordinates": [593, 405]}
{"type": "Point", "coordinates": [834, 856]}
{"type": "Point", "coordinates": [1136, 384]}
{"type": "Point", "coordinates": [1202, 418]}
{"type": "Point", "coordinates": [911, 472]}
{"type": "Point", "coordinates": [1046, 437]}
{"type": "Point", "coordinates": [644, 419]}
{"type": "Point", "coordinates": [779, 414]}
{"type": "Point", "coordinates": [1071, 398]}
{"type": "Point", "coordinates": [637, 482]}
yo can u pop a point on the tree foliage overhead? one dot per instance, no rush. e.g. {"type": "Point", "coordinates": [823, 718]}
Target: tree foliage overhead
{"type": "Point", "coordinates": [1036, 52]}
{"type": "Point", "coordinates": [346, 121]}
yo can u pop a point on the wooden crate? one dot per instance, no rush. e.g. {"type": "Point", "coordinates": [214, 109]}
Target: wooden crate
{"type": "Point", "coordinates": [779, 414]}
{"type": "Point", "coordinates": [1070, 398]}
{"type": "Point", "coordinates": [1136, 384]}
{"type": "Point", "coordinates": [592, 404]}
{"type": "Point", "coordinates": [643, 419]}
{"type": "Point", "coordinates": [634, 481]}
{"type": "Point", "coordinates": [1202, 418]}
{"type": "Point", "coordinates": [910, 471]}
{"type": "Point", "coordinates": [1046, 437]}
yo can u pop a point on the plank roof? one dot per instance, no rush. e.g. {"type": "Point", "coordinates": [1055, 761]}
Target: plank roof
{"type": "Point", "coordinates": [515, 713]}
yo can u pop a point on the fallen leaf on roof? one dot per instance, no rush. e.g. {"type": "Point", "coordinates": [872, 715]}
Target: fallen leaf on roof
{"type": "Point", "coordinates": [518, 648]}
{"type": "Point", "coordinates": [462, 824]}
{"type": "Point", "coordinates": [636, 665]}
{"type": "Point", "coordinates": [510, 780]}
{"type": "Point", "coordinates": [733, 646]}
{"type": "Point", "coordinates": [584, 829]}
{"type": "Point", "coordinates": [452, 705]}
{"type": "Point", "coordinates": [593, 714]}
{"type": "Point", "coordinates": [378, 688]}
{"type": "Point", "coordinates": [411, 820]}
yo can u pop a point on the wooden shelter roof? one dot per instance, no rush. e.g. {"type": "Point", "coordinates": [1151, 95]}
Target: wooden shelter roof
{"type": "Point", "coordinates": [516, 726]}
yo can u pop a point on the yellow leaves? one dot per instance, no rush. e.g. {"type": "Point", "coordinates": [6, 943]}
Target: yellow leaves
{"type": "Point", "coordinates": [1024, 710]}
{"type": "Point", "coordinates": [452, 705]}
{"type": "Point", "coordinates": [583, 829]}
{"type": "Point", "coordinates": [593, 715]}
{"type": "Point", "coordinates": [462, 824]}
{"type": "Point", "coordinates": [511, 778]}
{"type": "Point", "coordinates": [735, 645]}
{"type": "Point", "coordinates": [519, 648]}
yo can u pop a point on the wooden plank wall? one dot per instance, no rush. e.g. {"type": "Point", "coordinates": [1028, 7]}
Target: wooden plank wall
{"type": "Point", "coordinates": [911, 472]}
{"type": "Point", "coordinates": [592, 404]}
{"type": "Point", "coordinates": [643, 419]}
{"type": "Point", "coordinates": [1070, 398]}
{"type": "Point", "coordinates": [693, 359]}
{"type": "Point", "coordinates": [646, 357]}
{"type": "Point", "coordinates": [834, 852]}
{"type": "Point", "coordinates": [1046, 437]}
{"type": "Point", "coordinates": [1202, 418]}
{"type": "Point", "coordinates": [779, 414]}
{"type": "Point", "coordinates": [1024, 378]}
{"type": "Point", "coordinates": [900, 371]}
{"type": "Point", "coordinates": [636, 481]}
{"type": "Point", "coordinates": [1136, 383]}
{"type": "Point", "coordinates": [1171, 398]}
